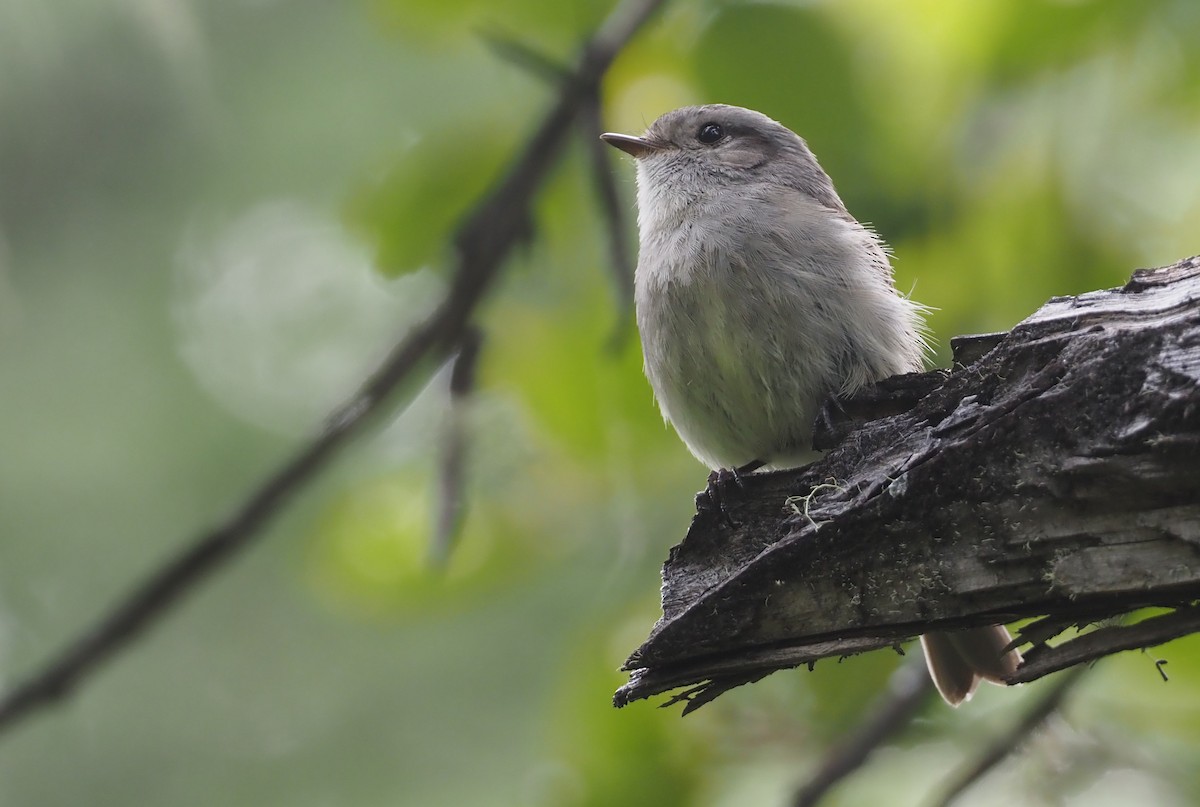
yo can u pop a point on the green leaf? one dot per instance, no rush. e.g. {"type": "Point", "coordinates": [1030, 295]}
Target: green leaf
{"type": "Point", "coordinates": [793, 65]}
{"type": "Point", "coordinates": [1040, 34]}
{"type": "Point", "coordinates": [409, 214]}
{"type": "Point", "coordinates": [370, 550]}
{"type": "Point", "coordinates": [635, 756]}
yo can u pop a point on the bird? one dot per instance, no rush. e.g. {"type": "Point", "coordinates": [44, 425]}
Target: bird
{"type": "Point", "coordinates": [758, 297]}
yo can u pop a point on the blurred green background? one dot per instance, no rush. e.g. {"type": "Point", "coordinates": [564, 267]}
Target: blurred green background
{"type": "Point", "coordinates": [215, 217]}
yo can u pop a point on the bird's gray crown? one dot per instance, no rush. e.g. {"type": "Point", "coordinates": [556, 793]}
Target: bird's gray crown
{"type": "Point", "coordinates": [737, 144]}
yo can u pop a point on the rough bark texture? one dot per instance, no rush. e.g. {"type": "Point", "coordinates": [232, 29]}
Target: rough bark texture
{"type": "Point", "coordinates": [1054, 473]}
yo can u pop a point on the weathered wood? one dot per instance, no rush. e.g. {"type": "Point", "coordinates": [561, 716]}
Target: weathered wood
{"type": "Point", "coordinates": [1055, 472]}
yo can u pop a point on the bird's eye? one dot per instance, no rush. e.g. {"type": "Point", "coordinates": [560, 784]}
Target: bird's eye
{"type": "Point", "coordinates": [710, 133]}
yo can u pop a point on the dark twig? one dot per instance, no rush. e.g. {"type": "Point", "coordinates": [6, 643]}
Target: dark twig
{"type": "Point", "coordinates": [613, 212]}
{"type": "Point", "coordinates": [1106, 639]}
{"type": "Point", "coordinates": [525, 56]}
{"type": "Point", "coordinates": [483, 241]}
{"type": "Point", "coordinates": [451, 496]}
{"type": "Point", "coordinates": [1004, 746]}
{"type": "Point", "coordinates": [908, 689]}
{"type": "Point", "coordinates": [695, 697]}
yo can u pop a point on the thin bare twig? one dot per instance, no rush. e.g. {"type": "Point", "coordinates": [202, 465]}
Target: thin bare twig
{"type": "Point", "coordinates": [998, 751]}
{"type": "Point", "coordinates": [547, 69]}
{"type": "Point", "coordinates": [523, 55]}
{"type": "Point", "coordinates": [908, 689]}
{"type": "Point", "coordinates": [482, 242]}
{"type": "Point", "coordinates": [451, 494]}
{"type": "Point", "coordinates": [620, 264]}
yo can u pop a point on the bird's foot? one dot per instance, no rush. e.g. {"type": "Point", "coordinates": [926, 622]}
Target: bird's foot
{"type": "Point", "coordinates": [723, 485]}
{"type": "Point", "coordinates": [830, 425]}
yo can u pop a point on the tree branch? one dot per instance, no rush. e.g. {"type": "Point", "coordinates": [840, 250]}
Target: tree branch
{"type": "Point", "coordinates": [451, 495]}
{"type": "Point", "coordinates": [908, 689]}
{"type": "Point", "coordinates": [1004, 746]}
{"type": "Point", "coordinates": [1056, 474]}
{"type": "Point", "coordinates": [482, 242]}
{"type": "Point", "coordinates": [613, 212]}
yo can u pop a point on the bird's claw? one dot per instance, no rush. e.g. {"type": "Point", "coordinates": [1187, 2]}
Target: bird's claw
{"type": "Point", "coordinates": [830, 425]}
{"type": "Point", "coordinates": [723, 484]}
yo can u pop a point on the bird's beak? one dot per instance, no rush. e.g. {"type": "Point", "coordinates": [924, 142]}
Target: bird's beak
{"type": "Point", "coordinates": [634, 146]}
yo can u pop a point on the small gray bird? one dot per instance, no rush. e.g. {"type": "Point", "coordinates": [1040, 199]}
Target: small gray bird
{"type": "Point", "coordinates": [758, 297]}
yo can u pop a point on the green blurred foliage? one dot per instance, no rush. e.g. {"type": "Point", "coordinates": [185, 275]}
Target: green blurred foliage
{"type": "Point", "coordinates": [593, 740]}
{"type": "Point", "coordinates": [371, 553]}
{"type": "Point", "coordinates": [751, 55]}
{"type": "Point", "coordinates": [408, 213]}
{"type": "Point", "coordinates": [1009, 150]}
{"type": "Point", "coordinates": [558, 25]}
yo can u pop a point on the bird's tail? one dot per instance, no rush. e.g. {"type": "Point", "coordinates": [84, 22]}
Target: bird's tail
{"type": "Point", "coordinates": [959, 660]}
